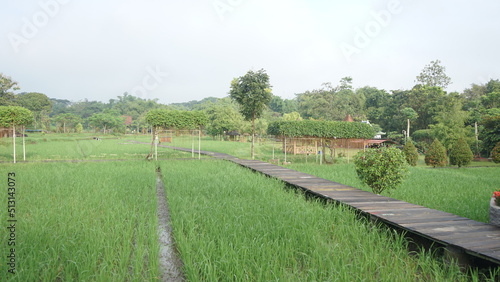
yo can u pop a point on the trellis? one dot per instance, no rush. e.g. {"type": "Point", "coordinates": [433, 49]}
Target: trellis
{"type": "Point", "coordinates": [167, 136]}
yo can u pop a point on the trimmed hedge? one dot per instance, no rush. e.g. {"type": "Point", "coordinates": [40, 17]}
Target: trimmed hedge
{"type": "Point", "coordinates": [176, 119]}
{"type": "Point", "coordinates": [322, 129]}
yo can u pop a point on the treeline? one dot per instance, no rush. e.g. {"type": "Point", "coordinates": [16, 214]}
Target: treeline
{"type": "Point", "coordinates": [431, 111]}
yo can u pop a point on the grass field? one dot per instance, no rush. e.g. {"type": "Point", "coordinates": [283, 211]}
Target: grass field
{"type": "Point", "coordinates": [465, 191]}
{"type": "Point", "coordinates": [91, 221]}
{"type": "Point", "coordinates": [82, 222]}
{"type": "Point", "coordinates": [82, 147]}
{"type": "Point", "coordinates": [234, 225]}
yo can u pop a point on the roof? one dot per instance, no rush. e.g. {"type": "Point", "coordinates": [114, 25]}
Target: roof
{"type": "Point", "coordinates": [348, 118]}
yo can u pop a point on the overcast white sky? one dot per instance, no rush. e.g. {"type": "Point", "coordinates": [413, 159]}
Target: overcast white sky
{"type": "Point", "coordinates": [179, 51]}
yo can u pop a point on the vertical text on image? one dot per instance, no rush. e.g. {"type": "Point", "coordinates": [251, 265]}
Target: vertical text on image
{"type": "Point", "coordinates": [11, 222]}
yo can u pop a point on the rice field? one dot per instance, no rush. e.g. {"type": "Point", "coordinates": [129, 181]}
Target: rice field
{"type": "Point", "coordinates": [234, 225]}
{"type": "Point", "coordinates": [82, 147]}
{"type": "Point", "coordinates": [82, 222]}
{"type": "Point", "coordinates": [96, 221]}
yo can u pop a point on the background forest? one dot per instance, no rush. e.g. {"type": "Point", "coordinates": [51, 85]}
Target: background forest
{"type": "Point", "coordinates": [432, 112]}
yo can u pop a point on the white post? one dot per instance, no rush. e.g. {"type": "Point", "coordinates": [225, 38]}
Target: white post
{"type": "Point", "coordinates": [14, 141]}
{"type": "Point", "coordinates": [192, 144]}
{"type": "Point", "coordinates": [199, 144]}
{"type": "Point", "coordinates": [285, 148]}
{"type": "Point", "coordinates": [477, 139]}
{"type": "Point", "coordinates": [24, 145]}
{"type": "Point", "coordinates": [273, 150]}
{"type": "Point", "coordinates": [156, 146]}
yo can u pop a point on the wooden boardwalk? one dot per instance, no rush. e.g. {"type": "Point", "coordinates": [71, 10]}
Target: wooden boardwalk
{"type": "Point", "coordinates": [462, 236]}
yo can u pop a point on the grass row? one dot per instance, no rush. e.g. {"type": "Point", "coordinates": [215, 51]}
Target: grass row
{"type": "Point", "coordinates": [234, 225]}
{"type": "Point", "coordinates": [81, 147]}
{"type": "Point", "coordinates": [465, 191]}
{"type": "Point", "coordinates": [83, 222]}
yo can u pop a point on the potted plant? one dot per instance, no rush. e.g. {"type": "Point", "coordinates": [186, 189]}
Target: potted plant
{"type": "Point", "coordinates": [495, 208]}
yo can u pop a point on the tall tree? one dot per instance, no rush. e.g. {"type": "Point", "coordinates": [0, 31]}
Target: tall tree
{"type": "Point", "coordinates": [7, 88]}
{"type": "Point", "coordinates": [332, 103]}
{"type": "Point", "coordinates": [67, 120]}
{"type": "Point", "coordinates": [450, 120]}
{"type": "Point", "coordinates": [38, 103]}
{"type": "Point", "coordinates": [106, 121]}
{"type": "Point", "coordinates": [253, 93]}
{"type": "Point", "coordinates": [12, 116]}
{"type": "Point", "coordinates": [434, 74]}
{"type": "Point", "coordinates": [223, 118]}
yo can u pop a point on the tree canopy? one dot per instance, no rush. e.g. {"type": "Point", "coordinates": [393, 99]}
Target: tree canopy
{"type": "Point", "coordinates": [327, 129]}
{"type": "Point", "coordinates": [434, 74]}
{"type": "Point", "coordinates": [176, 119]}
{"type": "Point", "coordinates": [14, 116]}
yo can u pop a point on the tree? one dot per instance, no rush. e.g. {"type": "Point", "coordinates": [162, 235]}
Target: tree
{"type": "Point", "coordinates": [490, 135]}
{"type": "Point", "coordinates": [495, 153]}
{"type": "Point", "coordinates": [450, 121]}
{"type": "Point", "coordinates": [7, 86]}
{"type": "Point", "coordinates": [38, 103]}
{"type": "Point", "coordinates": [411, 153]}
{"type": "Point", "coordinates": [67, 120]}
{"type": "Point", "coordinates": [460, 154]}
{"type": "Point", "coordinates": [332, 103]}
{"type": "Point", "coordinates": [381, 169]}
{"type": "Point", "coordinates": [434, 74]}
{"type": "Point", "coordinates": [253, 93]}
{"type": "Point", "coordinates": [436, 155]}
{"type": "Point", "coordinates": [106, 121]}
{"type": "Point", "coordinates": [223, 118]}
{"type": "Point", "coordinates": [12, 116]}
{"type": "Point", "coordinates": [292, 116]}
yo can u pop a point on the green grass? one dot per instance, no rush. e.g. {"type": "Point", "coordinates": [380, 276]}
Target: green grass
{"type": "Point", "coordinates": [83, 222]}
{"type": "Point", "coordinates": [465, 191]}
{"type": "Point", "coordinates": [234, 225]}
{"type": "Point", "coordinates": [82, 147]}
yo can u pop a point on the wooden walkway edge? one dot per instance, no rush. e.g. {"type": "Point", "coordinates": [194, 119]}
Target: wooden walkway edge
{"type": "Point", "coordinates": [462, 235]}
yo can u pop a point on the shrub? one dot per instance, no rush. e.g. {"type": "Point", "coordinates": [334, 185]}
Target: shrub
{"type": "Point", "coordinates": [411, 153]}
{"type": "Point", "coordinates": [460, 154]}
{"type": "Point", "coordinates": [495, 153]}
{"type": "Point", "coordinates": [79, 128]}
{"type": "Point", "coordinates": [436, 155]}
{"type": "Point", "coordinates": [381, 169]}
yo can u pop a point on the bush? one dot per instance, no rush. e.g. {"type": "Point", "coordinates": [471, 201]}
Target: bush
{"type": "Point", "coordinates": [436, 155]}
{"type": "Point", "coordinates": [411, 153]}
{"type": "Point", "coordinates": [460, 154]}
{"type": "Point", "coordinates": [495, 153]}
{"type": "Point", "coordinates": [381, 169]}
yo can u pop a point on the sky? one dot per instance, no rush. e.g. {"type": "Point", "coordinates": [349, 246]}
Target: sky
{"type": "Point", "coordinates": [178, 51]}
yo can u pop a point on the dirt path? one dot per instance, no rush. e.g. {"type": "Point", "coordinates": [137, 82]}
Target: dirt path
{"type": "Point", "coordinates": [170, 264]}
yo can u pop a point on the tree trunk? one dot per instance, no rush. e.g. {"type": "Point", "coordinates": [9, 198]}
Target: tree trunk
{"type": "Point", "coordinates": [408, 130]}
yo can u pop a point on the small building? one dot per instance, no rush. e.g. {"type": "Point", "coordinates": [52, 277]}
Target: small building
{"type": "Point", "coordinates": [5, 132]}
